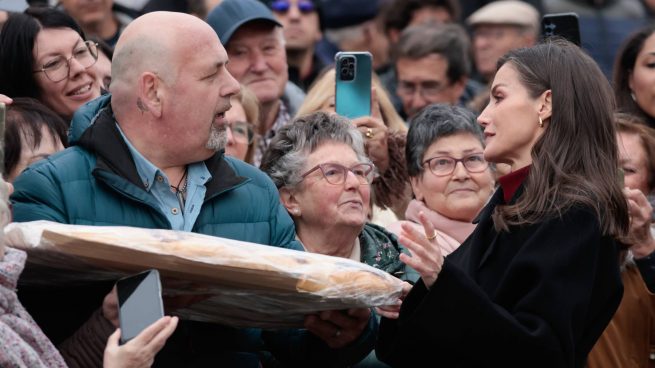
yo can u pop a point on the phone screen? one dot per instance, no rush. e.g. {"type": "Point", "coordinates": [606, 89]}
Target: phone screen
{"type": "Point", "coordinates": [139, 303]}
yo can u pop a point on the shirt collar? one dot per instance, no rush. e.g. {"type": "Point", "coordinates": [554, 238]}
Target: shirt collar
{"type": "Point", "coordinates": [512, 181]}
{"type": "Point", "coordinates": [147, 170]}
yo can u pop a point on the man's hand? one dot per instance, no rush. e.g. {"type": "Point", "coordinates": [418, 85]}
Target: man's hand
{"type": "Point", "coordinates": [141, 350]}
{"type": "Point", "coordinates": [338, 328]}
{"type": "Point", "coordinates": [110, 307]}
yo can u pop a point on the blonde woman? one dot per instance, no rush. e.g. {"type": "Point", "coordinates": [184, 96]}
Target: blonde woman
{"type": "Point", "coordinates": [385, 133]}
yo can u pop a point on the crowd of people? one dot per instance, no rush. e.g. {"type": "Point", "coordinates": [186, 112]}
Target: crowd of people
{"type": "Point", "coordinates": [507, 180]}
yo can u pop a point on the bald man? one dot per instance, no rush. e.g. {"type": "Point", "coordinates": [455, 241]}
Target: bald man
{"type": "Point", "coordinates": [153, 158]}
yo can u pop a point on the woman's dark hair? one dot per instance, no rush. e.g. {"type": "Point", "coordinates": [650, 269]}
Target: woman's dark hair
{"type": "Point", "coordinates": [25, 118]}
{"type": "Point", "coordinates": [434, 122]}
{"type": "Point", "coordinates": [575, 161]}
{"type": "Point", "coordinates": [623, 67]}
{"type": "Point", "coordinates": [17, 64]}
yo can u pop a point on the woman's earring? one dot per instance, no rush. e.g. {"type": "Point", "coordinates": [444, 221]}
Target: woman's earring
{"type": "Point", "coordinates": [541, 122]}
{"type": "Point", "coordinates": [634, 98]}
{"type": "Point", "coordinates": [296, 211]}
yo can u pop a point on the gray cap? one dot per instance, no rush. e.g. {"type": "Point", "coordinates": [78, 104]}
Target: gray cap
{"type": "Point", "coordinates": [512, 12]}
{"type": "Point", "coordinates": [229, 15]}
{"type": "Point", "coordinates": [17, 6]}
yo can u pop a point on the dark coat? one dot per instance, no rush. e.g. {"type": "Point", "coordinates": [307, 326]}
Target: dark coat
{"type": "Point", "coordinates": [538, 295]}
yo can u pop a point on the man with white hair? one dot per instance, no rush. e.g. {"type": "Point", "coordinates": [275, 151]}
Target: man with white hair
{"type": "Point", "coordinates": [153, 158]}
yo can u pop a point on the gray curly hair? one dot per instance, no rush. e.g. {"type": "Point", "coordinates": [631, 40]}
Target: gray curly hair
{"type": "Point", "coordinates": [285, 157]}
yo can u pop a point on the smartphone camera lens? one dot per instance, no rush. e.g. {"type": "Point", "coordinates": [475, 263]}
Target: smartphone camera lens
{"type": "Point", "coordinates": [347, 69]}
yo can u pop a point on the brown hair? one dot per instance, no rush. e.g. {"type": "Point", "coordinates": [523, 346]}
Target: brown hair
{"type": "Point", "coordinates": [631, 124]}
{"type": "Point", "coordinates": [575, 161]}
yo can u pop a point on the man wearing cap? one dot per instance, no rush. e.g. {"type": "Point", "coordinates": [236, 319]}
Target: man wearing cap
{"type": "Point", "coordinates": [255, 44]}
{"type": "Point", "coordinates": [499, 27]}
{"type": "Point", "coordinates": [300, 20]}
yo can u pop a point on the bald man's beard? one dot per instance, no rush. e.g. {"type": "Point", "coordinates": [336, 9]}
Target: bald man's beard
{"type": "Point", "coordinates": [217, 138]}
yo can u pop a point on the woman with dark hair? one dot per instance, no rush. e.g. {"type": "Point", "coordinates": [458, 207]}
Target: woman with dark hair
{"type": "Point", "coordinates": [45, 56]}
{"type": "Point", "coordinates": [538, 279]}
{"type": "Point", "coordinates": [634, 75]}
{"type": "Point", "coordinates": [32, 132]}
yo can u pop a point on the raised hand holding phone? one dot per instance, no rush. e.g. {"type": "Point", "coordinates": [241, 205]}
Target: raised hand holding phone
{"type": "Point", "coordinates": [139, 303]}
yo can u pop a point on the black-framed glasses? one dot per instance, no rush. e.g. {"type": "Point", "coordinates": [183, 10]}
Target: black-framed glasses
{"type": "Point", "coordinates": [445, 165]}
{"type": "Point", "coordinates": [283, 6]}
{"type": "Point", "coordinates": [241, 131]}
{"type": "Point", "coordinates": [58, 68]}
{"type": "Point", "coordinates": [336, 174]}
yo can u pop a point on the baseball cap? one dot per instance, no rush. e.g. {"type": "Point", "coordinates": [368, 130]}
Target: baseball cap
{"type": "Point", "coordinates": [346, 13]}
{"type": "Point", "coordinates": [512, 12]}
{"type": "Point", "coordinates": [229, 15]}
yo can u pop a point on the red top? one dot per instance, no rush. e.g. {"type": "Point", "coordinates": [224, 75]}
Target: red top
{"type": "Point", "coordinates": [512, 181]}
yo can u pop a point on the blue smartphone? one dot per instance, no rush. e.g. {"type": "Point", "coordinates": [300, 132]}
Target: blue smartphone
{"type": "Point", "coordinates": [139, 303]}
{"type": "Point", "coordinates": [352, 96]}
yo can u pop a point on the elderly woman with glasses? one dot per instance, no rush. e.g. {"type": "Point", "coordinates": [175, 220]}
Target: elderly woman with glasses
{"type": "Point", "coordinates": [450, 178]}
{"type": "Point", "coordinates": [45, 56]}
{"type": "Point", "coordinates": [318, 163]}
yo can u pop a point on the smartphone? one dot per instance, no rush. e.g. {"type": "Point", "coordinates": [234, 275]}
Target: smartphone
{"type": "Point", "coordinates": [352, 96]}
{"type": "Point", "coordinates": [139, 303]}
{"type": "Point", "coordinates": [565, 25]}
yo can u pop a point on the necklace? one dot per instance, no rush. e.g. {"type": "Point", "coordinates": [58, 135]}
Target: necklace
{"type": "Point", "coordinates": [180, 189]}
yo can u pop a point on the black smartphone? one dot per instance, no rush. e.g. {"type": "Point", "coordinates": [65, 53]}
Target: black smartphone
{"type": "Point", "coordinates": [565, 25]}
{"type": "Point", "coordinates": [139, 303]}
{"type": "Point", "coordinates": [352, 95]}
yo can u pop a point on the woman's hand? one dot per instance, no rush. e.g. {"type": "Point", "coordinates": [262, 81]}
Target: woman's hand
{"type": "Point", "coordinates": [338, 328]}
{"type": "Point", "coordinates": [141, 350]}
{"type": "Point", "coordinates": [640, 220]}
{"type": "Point", "coordinates": [426, 257]}
{"type": "Point", "coordinates": [393, 311]}
{"type": "Point", "coordinates": [5, 99]}
{"type": "Point", "coordinates": [375, 135]}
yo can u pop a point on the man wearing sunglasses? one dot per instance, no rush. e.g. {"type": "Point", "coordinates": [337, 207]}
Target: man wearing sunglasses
{"type": "Point", "coordinates": [301, 22]}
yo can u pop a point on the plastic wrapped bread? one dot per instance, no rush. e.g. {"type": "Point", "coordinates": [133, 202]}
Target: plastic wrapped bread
{"type": "Point", "coordinates": [241, 284]}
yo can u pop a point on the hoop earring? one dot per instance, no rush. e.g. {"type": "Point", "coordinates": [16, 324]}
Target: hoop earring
{"type": "Point", "coordinates": [541, 122]}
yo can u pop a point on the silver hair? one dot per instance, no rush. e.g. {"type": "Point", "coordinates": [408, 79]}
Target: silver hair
{"type": "Point", "coordinates": [217, 138]}
{"type": "Point", "coordinates": [287, 154]}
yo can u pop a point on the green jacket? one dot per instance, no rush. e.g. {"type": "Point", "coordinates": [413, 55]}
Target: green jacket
{"type": "Point", "coordinates": [381, 249]}
{"type": "Point", "coordinates": [96, 183]}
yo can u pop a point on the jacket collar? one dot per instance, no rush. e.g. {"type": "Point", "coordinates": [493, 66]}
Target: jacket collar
{"type": "Point", "coordinates": [105, 141]}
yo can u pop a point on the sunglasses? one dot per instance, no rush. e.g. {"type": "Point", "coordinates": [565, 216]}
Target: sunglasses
{"type": "Point", "coordinates": [283, 6]}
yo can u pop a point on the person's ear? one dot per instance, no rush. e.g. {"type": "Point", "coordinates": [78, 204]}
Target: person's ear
{"type": "Point", "coordinates": [290, 202]}
{"type": "Point", "coordinates": [148, 94]}
{"type": "Point", "coordinates": [415, 181]}
{"type": "Point", "coordinates": [546, 105]}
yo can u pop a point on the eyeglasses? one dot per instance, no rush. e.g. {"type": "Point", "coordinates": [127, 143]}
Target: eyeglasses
{"type": "Point", "coordinates": [336, 174]}
{"type": "Point", "coordinates": [241, 131]}
{"type": "Point", "coordinates": [58, 68]}
{"type": "Point", "coordinates": [283, 6]}
{"type": "Point", "coordinates": [445, 165]}
{"type": "Point", "coordinates": [426, 89]}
